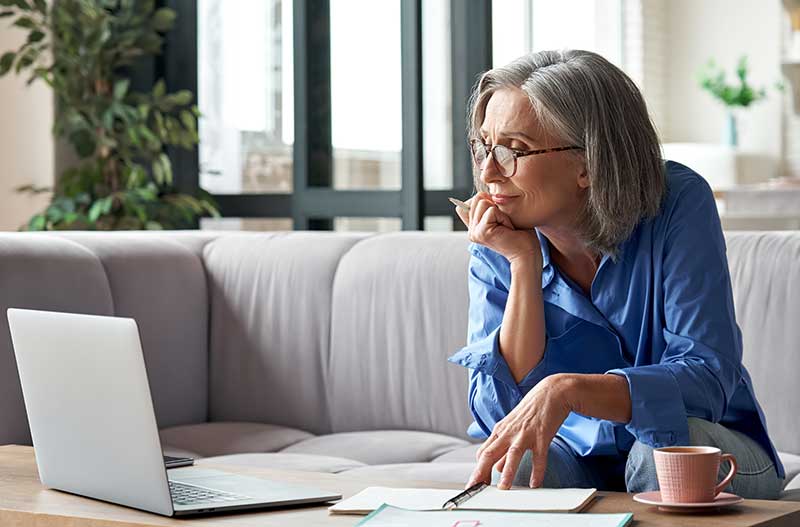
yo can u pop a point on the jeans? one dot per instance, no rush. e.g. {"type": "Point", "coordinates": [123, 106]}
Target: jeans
{"type": "Point", "coordinates": [756, 478]}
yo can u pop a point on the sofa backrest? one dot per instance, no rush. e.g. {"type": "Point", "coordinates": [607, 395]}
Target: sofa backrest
{"type": "Point", "coordinates": [400, 306]}
{"type": "Point", "coordinates": [765, 273]}
{"type": "Point", "coordinates": [158, 279]}
{"type": "Point", "coordinates": [270, 325]}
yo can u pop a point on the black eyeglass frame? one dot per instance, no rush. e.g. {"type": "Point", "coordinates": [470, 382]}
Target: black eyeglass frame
{"type": "Point", "coordinates": [515, 154]}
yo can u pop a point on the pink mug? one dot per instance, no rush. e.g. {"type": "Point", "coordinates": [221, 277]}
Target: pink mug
{"type": "Point", "coordinates": [688, 474]}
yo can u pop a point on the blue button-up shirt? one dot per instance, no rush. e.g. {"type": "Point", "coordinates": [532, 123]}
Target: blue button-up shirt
{"type": "Point", "coordinates": [661, 315]}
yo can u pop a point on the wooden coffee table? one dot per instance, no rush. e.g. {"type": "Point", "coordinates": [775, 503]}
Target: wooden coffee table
{"type": "Point", "coordinates": [25, 502]}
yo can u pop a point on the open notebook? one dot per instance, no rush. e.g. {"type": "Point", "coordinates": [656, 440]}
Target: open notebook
{"type": "Point", "coordinates": [487, 498]}
{"type": "Point", "coordinates": [388, 516]}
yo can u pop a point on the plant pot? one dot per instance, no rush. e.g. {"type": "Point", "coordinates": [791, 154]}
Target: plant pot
{"type": "Point", "coordinates": [731, 137]}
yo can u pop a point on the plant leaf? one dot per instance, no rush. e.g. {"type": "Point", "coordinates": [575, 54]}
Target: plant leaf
{"type": "Point", "coordinates": [121, 88]}
{"type": "Point", "coordinates": [40, 6]}
{"type": "Point", "coordinates": [84, 143]}
{"type": "Point", "coordinates": [25, 23]}
{"type": "Point", "coordinates": [37, 223]}
{"type": "Point", "coordinates": [181, 98]}
{"type": "Point", "coordinates": [163, 19]}
{"type": "Point", "coordinates": [159, 89]}
{"type": "Point", "coordinates": [4, 14]}
{"type": "Point", "coordinates": [35, 36]}
{"type": "Point", "coordinates": [6, 61]}
{"type": "Point", "coordinates": [158, 172]}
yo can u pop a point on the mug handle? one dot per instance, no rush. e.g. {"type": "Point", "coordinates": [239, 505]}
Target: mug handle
{"type": "Point", "coordinates": [731, 474]}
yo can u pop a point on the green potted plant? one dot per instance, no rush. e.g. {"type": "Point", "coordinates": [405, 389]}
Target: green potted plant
{"type": "Point", "coordinates": [738, 95]}
{"type": "Point", "coordinates": [123, 179]}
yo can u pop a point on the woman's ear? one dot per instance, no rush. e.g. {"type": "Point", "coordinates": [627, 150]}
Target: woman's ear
{"type": "Point", "coordinates": [583, 178]}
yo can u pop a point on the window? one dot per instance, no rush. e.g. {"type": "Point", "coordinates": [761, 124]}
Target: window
{"type": "Point", "coordinates": [366, 94]}
{"type": "Point", "coordinates": [522, 26]}
{"type": "Point", "coordinates": [244, 94]}
{"type": "Point", "coordinates": [338, 114]}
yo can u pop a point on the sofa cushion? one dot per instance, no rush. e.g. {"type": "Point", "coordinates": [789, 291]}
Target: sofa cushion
{"type": "Point", "coordinates": [161, 283]}
{"type": "Point", "coordinates": [270, 326]}
{"type": "Point", "coordinates": [216, 439]}
{"type": "Point", "coordinates": [464, 454]}
{"type": "Point", "coordinates": [790, 495]}
{"type": "Point", "coordinates": [791, 463]}
{"type": "Point", "coordinates": [286, 461]}
{"type": "Point", "coordinates": [380, 447]}
{"type": "Point", "coordinates": [399, 310]}
{"type": "Point", "coordinates": [41, 271]}
{"type": "Point", "coordinates": [173, 451]}
{"type": "Point", "coordinates": [766, 281]}
{"type": "Point", "coordinates": [457, 473]}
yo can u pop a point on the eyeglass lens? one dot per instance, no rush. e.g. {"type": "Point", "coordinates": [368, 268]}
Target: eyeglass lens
{"type": "Point", "coordinates": [503, 157]}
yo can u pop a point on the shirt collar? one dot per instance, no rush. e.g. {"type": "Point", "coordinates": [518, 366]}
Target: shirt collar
{"type": "Point", "coordinates": [547, 269]}
{"type": "Point", "coordinates": [567, 297]}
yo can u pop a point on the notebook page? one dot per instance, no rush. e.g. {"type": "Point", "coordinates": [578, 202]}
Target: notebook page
{"type": "Point", "coordinates": [563, 500]}
{"type": "Point", "coordinates": [372, 498]}
{"type": "Point", "coordinates": [391, 517]}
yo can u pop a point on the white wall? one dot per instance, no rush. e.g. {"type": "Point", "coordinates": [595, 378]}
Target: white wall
{"type": "Point", "coordinates": [26, 143]}
{"type": "Point", "coordinates": [723, 30]}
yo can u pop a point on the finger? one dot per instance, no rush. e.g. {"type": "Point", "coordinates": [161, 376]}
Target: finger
{"type": "Point", "coordinates": [487, 220]}
{"type": "Point", "coordinates": [498, 467]}
{"type": "Point", "coordinates": [483, 470]}
{"type": "Point", "coordinates": [494, 436]}
{"type": "Point", "coordinates": [513, 457]}
{"type": "Point", "coordinates": [473, 202]}
{"type": "Point", "coordinates": [539, 467]}
{"type": "Point", "coordinates": [463, 215]}
{"type": "Point", "coordinates": [477, 211]}
{"type": "Point", "coordinates": [496, 216]}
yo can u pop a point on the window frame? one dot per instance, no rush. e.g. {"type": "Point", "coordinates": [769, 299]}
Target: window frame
{"type": "Point", "coordinates": [313, 202]}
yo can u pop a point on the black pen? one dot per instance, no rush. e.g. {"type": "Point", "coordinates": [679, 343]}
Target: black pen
{"type": "Point", "coordinates": [464, 496]}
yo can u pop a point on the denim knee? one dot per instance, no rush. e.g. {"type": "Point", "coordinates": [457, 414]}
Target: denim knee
{"type": "Point", "coordinates": [640, 469]}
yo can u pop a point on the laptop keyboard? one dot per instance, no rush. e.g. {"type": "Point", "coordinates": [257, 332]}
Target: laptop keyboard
{"type": "Point", "coordinates": [183, 494]}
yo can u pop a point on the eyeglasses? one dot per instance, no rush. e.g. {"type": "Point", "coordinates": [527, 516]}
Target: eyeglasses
{"type": "Point", "coordinates": [504, 158]}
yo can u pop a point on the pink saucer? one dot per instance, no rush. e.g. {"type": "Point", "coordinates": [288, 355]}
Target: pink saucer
{"type": "Point", "coordinates": [654, 498]}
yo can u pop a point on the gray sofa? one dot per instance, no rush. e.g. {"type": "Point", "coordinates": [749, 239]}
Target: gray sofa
{"type": "Point", "coordinates": [327, 351]}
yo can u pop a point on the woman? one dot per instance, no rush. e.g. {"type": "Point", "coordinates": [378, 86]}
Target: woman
{"type": "Point", "coordinates": [601, 317]}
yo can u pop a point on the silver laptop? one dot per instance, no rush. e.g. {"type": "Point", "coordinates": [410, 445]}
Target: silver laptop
{"type": "Point", "coordinates": [93, 426]}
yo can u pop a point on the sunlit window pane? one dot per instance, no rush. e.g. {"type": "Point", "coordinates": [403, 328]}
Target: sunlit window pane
{"type": "Point", "coordinates": [437, 97]}
{"type": "Point", "coordinates": [245, 95]}
{"type": "Point", "coordinates": [522, 26]}
{"type": "Point", "coordinates": [246, 224]}
{"type": "Point", "coordinates": [367, 224]}
{"type": "Point", "coordinates": [366, 94]}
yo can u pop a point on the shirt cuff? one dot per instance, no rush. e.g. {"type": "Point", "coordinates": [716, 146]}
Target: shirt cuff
{"type": "Point", "coordinates": [484, 356]}
{"type": "Point", "coordinates": [658, 416]}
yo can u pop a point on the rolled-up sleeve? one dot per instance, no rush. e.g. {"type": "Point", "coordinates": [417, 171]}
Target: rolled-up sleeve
{"type": "Point", "coordinates": [699, 366]}
{"type": "Point", "coordinates": [493, 392]}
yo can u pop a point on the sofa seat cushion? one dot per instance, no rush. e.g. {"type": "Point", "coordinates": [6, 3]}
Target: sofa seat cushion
{"type": "Point", "coordinates": [464, 454]}
{"type": "Point", "coordinates": [791, 463]}
{"type": "Point", "coordinates": [284, 461]}
{"type": "Point", "coordinates": [222, 438]}
{"type": "Point", "coordinates": [457, 473]}
{"type": "Point", "coordinates": [173, 451]}
{"type": "Point", "coordinates": [790, 495]}
{"type": "Point", "coordinates": [380, 447]}
{"type": "Point", "coordinates": [793, 484]}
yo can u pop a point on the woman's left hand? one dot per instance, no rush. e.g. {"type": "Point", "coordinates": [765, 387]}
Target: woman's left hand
{"type": "Point", "coordinates": [531, 425]}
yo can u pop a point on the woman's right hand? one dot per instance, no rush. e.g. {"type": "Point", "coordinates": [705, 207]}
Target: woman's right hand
{"type": "Point", "coordinates": [492, 228]}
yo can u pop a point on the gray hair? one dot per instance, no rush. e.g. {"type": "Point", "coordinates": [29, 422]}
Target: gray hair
{"type": "Point", "coordinates": [581, 98]}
